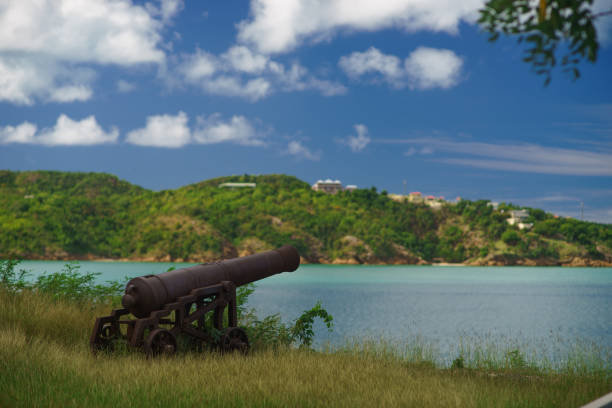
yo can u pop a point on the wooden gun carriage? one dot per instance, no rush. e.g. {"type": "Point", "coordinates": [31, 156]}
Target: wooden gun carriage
{"type": "Point", "coordinates": [180, 301]}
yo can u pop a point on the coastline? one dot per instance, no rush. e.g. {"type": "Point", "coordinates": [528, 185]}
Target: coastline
{"type": "Point", "coordinates": [490, 261]}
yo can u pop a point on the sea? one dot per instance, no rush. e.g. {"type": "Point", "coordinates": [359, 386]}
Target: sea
{"type": "Point", "coordinates": [441, 307]}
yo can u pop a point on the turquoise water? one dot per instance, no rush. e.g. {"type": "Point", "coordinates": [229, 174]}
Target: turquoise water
{"type": "Point", "coordinates": [440, 305]}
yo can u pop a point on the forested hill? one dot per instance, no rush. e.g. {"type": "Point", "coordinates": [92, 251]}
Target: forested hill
{"type": "Point", "coordinates": [59, 215]}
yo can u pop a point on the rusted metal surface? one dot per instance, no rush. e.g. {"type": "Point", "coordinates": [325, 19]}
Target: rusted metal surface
{"type": "Point", "coordinates": [188, 301]}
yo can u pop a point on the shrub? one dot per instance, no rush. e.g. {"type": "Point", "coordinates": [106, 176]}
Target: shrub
{"type": "Point", "coordinates": [511, 237]}
{"type": "Point", "coordinates": [72, 285]}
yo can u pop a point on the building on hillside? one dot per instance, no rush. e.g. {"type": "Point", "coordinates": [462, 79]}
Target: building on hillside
{"type": "Point", "coordinates": [237, 185]}
{"type": "Point", "coordinates": [415, 197]}
{"type": "Point", "coordinates": [493, 204]}
{"type": "Point", "coordinates": [518, 218]}
{"type": "Point", "coordinates": [328, 186]}
{"type": "Point", "coordinates": [434, 202]}
{"type": "Point", "coordinates": [398, 197]}
{"type": "Point", "coordinates": [350, 187]}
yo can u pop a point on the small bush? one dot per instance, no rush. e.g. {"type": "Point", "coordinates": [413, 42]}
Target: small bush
{"type": "Point", "coordinates": [511, 237]}
{"type": "Point", "coordinates": [11, 279]}
{"type": "Point", "coordinates": [302, 327]}
{"type": "Point", "coordinates": [458, 363]}
{"type": "Point", "coordinates": [72, 285]}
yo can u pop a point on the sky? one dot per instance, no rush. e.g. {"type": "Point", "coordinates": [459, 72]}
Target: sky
{"type": "Point", "coordinates": [402, 95]}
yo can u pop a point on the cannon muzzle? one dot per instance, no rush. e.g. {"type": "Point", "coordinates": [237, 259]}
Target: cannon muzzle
{"type": "Point", "coordinates": [145, 294]}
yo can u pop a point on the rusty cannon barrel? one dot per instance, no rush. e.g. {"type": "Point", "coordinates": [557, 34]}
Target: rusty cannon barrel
{"type": "Point", "coordinates": [145, 294]}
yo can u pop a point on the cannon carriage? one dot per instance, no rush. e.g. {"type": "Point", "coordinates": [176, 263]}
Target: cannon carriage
{"type": "Point", "coordinates": [181, 301]}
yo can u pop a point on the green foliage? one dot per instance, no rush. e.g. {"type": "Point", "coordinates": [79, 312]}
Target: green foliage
{"type": "Point", "coordinates": [72, 285]}
{"type": "Point", "coordinates": [55, 215]}
{"type": "Point", "coordinates": [458, 363]}
{"type": "Point", "coordinates": [516, 360]}
{"type": "Point", "coordinates": [511, 237]}
{"type": "Point", "coordinates": [11, 279]}
{"type": "Point", "coordinates": [242, 296]}
{"type": "Point", "coordinates": [546, 26]}
{"type": "Point", "coordinates": [271, 332]}
{"type": "Point", "coordinates": [302, 327]}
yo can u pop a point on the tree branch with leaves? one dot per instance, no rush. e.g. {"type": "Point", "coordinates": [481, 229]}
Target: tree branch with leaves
{"type": "Point", "coordinates": [559, 32]}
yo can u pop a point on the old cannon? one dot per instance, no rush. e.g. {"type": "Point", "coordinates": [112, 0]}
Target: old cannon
{"type": "Point", "coordinates": [184, 300]}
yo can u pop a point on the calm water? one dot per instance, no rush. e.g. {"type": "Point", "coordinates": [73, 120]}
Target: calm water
{"type": "Point", "coordinates": [439, 304]}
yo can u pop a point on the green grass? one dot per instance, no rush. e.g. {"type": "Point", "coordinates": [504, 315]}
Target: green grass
{"type": "Point", "coordinates": [45, 361]}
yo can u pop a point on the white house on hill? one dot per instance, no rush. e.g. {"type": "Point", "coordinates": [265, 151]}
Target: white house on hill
{"type": "Point", "coordinates": [328, 186]}
{"type": "Point", "coordinates": [518, 217]}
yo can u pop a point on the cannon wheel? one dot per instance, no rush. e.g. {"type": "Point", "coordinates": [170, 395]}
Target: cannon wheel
{"type": "Point", "coordinates": [104, 342]}
{"type": "Point", "coordinates": [234, 339]}
{"type": "Point", "coordinates": [160, 341]}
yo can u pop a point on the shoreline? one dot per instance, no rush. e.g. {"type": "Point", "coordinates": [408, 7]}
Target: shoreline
{"type": "Point", "coordinates": [574, 262]}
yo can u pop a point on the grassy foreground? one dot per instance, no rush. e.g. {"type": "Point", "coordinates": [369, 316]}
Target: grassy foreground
{"type": "Point", "coordinates": [45, 361]}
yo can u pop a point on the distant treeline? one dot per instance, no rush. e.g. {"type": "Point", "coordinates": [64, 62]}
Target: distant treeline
{"type": "Point", "coordinates": [61, 215]}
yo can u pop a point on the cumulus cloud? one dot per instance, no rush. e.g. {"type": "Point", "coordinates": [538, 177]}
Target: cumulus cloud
{"type": "Point", "coordinates": [371, 61]}
{"type": "Point", "coordinates": [162, 131]}
{"type": "Point", "coordinates": [198, 66]}
{"type": "Point", "coordinates": [428, 68]}
{"type": "Point", "coordinates": [296, 148]}
{"type": "Point", "coordinates": [253, 89]}
{"type": "Point", "coordinates": [44, 44]}
{"type": "Point", "coordinates": [279, 26]}
{"type": "Point", "coordinates": [174, 131]}
{"type": "Point", "coordinates": [238, 130]}
{"type": "Point", "coordinates": [425, 68]}
{"type": "Point", "coordinates": [242, 59]}
{"type": "Point", "coordinates": [359, 141]}
{"type": "Point", "coordinates": [71, 93]}
{"type": "Point", "coordinates": [240, 72]}
{"type": "Point", "coordinates": [166, 9]}
{"type": "Point", "coordinates": [23, 133]}
{"type": "Point", "coordinates": [66, 132]}
{"type": "Point", "coordinates": [22, 80]}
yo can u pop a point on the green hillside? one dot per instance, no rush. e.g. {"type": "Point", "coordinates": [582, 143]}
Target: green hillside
{"type": "Point", "coordinates": [59, 215]}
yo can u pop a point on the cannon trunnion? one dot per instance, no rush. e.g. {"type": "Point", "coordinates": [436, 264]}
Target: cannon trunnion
{"type": "Point", "coordinates": [191, 301]}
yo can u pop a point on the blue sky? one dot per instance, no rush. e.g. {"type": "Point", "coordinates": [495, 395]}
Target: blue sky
{"type": "Point", "coordinates": [166, 93]}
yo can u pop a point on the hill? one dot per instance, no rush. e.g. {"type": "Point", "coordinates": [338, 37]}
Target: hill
{"type": "Point", "coordinates": [59, 215]}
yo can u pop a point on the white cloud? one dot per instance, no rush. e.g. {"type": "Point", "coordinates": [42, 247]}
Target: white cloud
{"type": "Point", "coordinates": [22, 80]}
{"type": "Point", "coordinates": [297, 78]}
{"type": "Point", "coordinates": [253, 90]}
{"type": "Point", "coordinates": [424, 68]}
{"type": "Point", "coordinates": [358, 142]}
{"type": "Point", "coordinates": [277, 26]}
{"type": "Point", "coordinates": [530, 158]}
{"type": "Point", "coordinates": [296, 148]}
{"type": "Point", "coordinates": [43, 44]}
{"type": "Point", "coordinates": [102, 31]}
{"type": "Point", "coordinates": [197, 66]}
{"type": "Point", "coordinates": [429, 68]}
{"type": "Point", "coordinates": [239, 72]}
{"type": "Point", "coordinates": [238, 130]}
{"type": "Point", "coordinates": [166, 10]}
{"type": "Point", "coordinates": [242, 59]}
{"type": "Point", "coordinates": [162, 131]}
{"type": "Point", "coordinates": [125, 86]}
{"type": "Point", "coordinates": [66, 132]}
{"type": "Point", "coordinates": [372, 61]}
{"type": "Point", "coordinates": [71, 93]}
{"type": "Point", "coordinates": [23, 133]}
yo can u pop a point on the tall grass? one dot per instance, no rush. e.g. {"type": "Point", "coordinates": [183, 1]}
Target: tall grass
{"type": "Point", "coordinates": [45, 361]}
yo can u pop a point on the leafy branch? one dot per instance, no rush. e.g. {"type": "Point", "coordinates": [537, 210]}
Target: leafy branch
{"type": "Point", "coordinates": [547, 26]}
